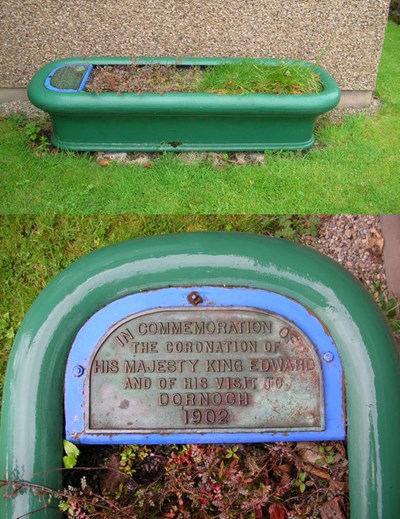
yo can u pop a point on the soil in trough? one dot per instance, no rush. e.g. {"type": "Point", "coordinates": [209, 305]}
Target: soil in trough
{"type": "Point", "coordinates": [157, 79]}
{"type": "Point", "coordinates": [244, 77]}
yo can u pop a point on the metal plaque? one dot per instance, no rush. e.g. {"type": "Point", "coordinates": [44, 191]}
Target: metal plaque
{"type": "Point", "coordinates": [203, 364]}
{"type": "Point", "coordinates": [208, 369]}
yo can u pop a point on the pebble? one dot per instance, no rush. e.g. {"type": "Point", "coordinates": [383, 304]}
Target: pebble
{"type": "Point", "coordinates": [120, 157]}
{"type": "Point", "coordinates": [356, 242]}
{"type": "Point", "coordinates": [24, 107]}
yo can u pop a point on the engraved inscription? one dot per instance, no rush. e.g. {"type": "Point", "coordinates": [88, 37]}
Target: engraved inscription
{"type": "Point", "coordinates": [206, 369]}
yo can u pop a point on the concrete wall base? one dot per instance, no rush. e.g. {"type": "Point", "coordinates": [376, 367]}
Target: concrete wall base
{"type": "Point", "coordinates": [12, 94]}
{"type": "Point", "coordinates": [355, 98]}
{"type": "Point", "coordinates": [391, 252]}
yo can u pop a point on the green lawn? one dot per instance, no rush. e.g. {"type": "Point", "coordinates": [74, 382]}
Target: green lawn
{"type": "Point", "coordinates": [355, 169]}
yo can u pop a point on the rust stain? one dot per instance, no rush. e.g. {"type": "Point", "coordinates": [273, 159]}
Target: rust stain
{"type": "Point", "coordinates": [175, 144]}
{"type": "Point", "coordinates": [194, 298]}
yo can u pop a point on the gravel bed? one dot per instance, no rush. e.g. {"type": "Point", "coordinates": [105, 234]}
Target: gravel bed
{"type": "Point", "coordinates": [354, 241]}
{"type": "Point", "coordinates": [24, 107]}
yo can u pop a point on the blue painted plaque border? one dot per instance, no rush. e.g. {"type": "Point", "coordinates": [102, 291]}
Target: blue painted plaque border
{"type": "Point", "coordinates": [95, 329]}
{"type": "Point", "coordinates": [49, 86]}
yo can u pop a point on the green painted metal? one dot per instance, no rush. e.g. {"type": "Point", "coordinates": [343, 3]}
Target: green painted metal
{"type": "Point", "coordinates": [180, 121]}
{"type": "Point", "coordinates": [32, 419]}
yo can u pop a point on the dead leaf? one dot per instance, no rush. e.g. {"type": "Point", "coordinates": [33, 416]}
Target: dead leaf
{"type": "Point", "coordinates": [252, 465]}
{"type": "Point", "coordinates": [338, 486]}
{"type": "Point", "coordinates": [309, 451]}
{"type": "Point", "coordinates": [375, 240]}
{"type": "Point", "coordinates": [284, 472]}
{"type": "Point", "coordinates": [340, 448]}
{"type": "Point", "coordinates": [103, 163]}
{"type": "Point", "coordinates": [110, 479]}
{"type": "Point", "coordinates": [284, 481]}
{"type": "Point", "coordinates": [315, 470]}
{"type": "Point", "coordinates": [332, 509]}
{"type": "Point", "coordinates": [277, 511]}
{"type": "Point", "coordinates": [285, 467]}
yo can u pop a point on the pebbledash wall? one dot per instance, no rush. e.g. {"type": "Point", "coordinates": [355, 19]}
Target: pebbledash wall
{"type": "Point", "coordinates": [345, 36]}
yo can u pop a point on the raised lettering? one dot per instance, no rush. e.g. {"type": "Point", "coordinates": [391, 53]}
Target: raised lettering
{"type": "Point", "coordinates": [124, 337]}
{"type": "Point", "coordinates": [236, 382]}
{"type": "Point", "coordinates": [195, 383]}
{"type": "Point", "coordinates": [105, 366]}
{"type": "Point", "coordinates": [137, 383]}
{"type": "Point", "coordinates": [206, 368]}
{"type": "Point", "coordinates": [223, 366]}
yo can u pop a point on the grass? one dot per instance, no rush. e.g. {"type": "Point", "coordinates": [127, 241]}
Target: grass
{"type": "Point", "coordinates": [37, 248]}
{"type": "Point", "coordinates": [354, 169]}
{"type": "Point", "coordinates": [247, 77]}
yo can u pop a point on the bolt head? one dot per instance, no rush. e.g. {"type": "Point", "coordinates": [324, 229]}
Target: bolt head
{"type": "Point", "coordinates": [78, 371]}
{"type": "Point", "coordinates": [194, 298]}
{"type": "Point", "coordinates": [328, 356]}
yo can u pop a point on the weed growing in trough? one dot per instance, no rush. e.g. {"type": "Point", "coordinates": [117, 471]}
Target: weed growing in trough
{"type": "Point", "coordinates": [243, 77]}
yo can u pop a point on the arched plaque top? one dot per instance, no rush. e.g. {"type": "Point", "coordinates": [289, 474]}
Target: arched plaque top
{"type": "Point", "coordinates": [203, 364]}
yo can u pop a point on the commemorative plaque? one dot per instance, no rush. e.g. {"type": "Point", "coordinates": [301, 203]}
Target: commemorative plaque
{"type": "Point", "coordinates": [206, 364]}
